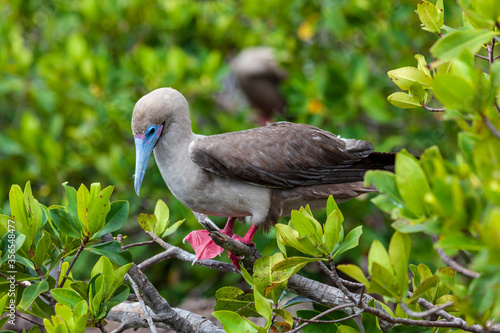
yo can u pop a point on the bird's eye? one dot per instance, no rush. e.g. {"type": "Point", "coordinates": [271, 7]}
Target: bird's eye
{"type": "Point", "coordinates": [150, 131]}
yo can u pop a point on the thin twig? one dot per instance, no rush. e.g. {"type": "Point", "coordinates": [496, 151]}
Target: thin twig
{"type": "Point", "coordinates": [489, 48]}
{"type": "Point", "coordinates": [428, 108]}
{"type": "Point", "coordinates": [495, 104]}
{"type": "Point", "coordinates": [18, 314]}
{"type": "Point", "coordinates": [458, 323]}
{"type": "Point", "coordinates": [15, 281]}
{"type": "Point", "coordinates": [423, 314]}
{"type": "Point", "coordinates": [481, 56]}
{"type": "Point", "coordinates": [58, 276]}
{"type": "Point", "coordinates": [100, 326]}
{"type": "Point", "coordinates": [176, 252]}
{"type": "Point", "coordinates": [37, 269]}
{"type": "Point", "coordinates": [490, 126]}
{"type": "Point", "coordinates": [453, 264]}
{"type": "Point", "coordinates": [124, 247]}
{"type": "Point", "coordinates": [152, 326]}
{"type": "Point", "coordinates": [315, 321]}
{"type": "Point", "coordinates": [80, 249]}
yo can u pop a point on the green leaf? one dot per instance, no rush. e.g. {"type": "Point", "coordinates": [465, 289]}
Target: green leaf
{"type": "Point", "coordinates": [65, 223]}
{"type": "Point", "coordinates": [112, 250]}
{"type": "Point", "coordinates": [430, 17]}
{"type": "Point", "coordinates": [120, 296]}
{"type": "Point", "coordinates": [331, 205]}
{"type": "Point", "coordinates": [67, 297]}
{"type": "Point", "coordinates": [173, 228]}
{"type": "Point", "coordinates": [422, 64]}
{"type": "Point", "coordinates": [234, 299]}
{"type": "Point", "coordinates": [399, 253]}
{"type": "Point", "coordinates": [105, 267]}
{"type": "Point", "coordinates": [3, 302]}
{"type": "Point", "coordinates": [350, 241]}
{"type": "Point", "coordinates": [379, 255]}
{"type": "Point", "coordinates": [417, 92]}
{"type": "Point", "coordinates": [411, 182]}
{"type": "Point", "coordinates": [370, 322]}
{"type": "Point", "coordinates": [42, 249]}
{"type": "Point", "coordinates": [147, 221]}
{"type": "Point", "coordinates": [332, 228]}
{"type": "Point", "coordinates": [18, 209]}
{"type": "Point", "coordinates": [71, 195]}
{"type": "Point", "coordinates": [306, 224]}
{"type": "Point", "coordinates": [268, 282]}
{"type": "Point", "coordinates": [346, 329]}
{"type": "Point", "coordinates": [488, 9]}
{"type": "Point", "coordinates": [291, 266]}
{"type": "Point", "coordinates": [423, 287]}
{"type": "Point", "coordinates": [162, 214]}
{"type": "Point", "coordinates": [116, 217]}
{"type": "Point", "coordinates": [34, 210]}
{"type": "Point", "coordinates": [248, 278]}
{"type": "Point", "coordinates": [288, 236]}
{"type": "Point", "coordinates": [96, 294]}
{"type": "Point", "coordinates": [83, 205]}
{"type": "Point", "coordinates": [98, 210]}
{"type": "Point", "coordinates": [32, 292]}
{"type": "Point", "coordinates": [454, 92]}
{"type": "Point", "coordinates": [82, 288]}
{"type": "Point", "coordinates": [404, 77]}
{"type": "Point", "coordinates": [385, 182]}
{"type": "Point", "coordinates": [119, 275]}
{"type": "Point", "coordinates": [233, 322]}
{"type": "Point", "coordinates": [263, 307]}
{"type": "Point", "coordinates": [451, 45]}
{"type": "Point", "coordinates": [355, 272]}
{"type": "Point", "coordinates": [383, 281]}
{"type": "Point", "coordinates": [403, 100]}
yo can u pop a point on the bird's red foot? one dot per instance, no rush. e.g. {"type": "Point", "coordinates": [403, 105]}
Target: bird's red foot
{"type": "Point", "coordinates": [247, 239]}
{"type": "Point", "coordinates": [203, 245]}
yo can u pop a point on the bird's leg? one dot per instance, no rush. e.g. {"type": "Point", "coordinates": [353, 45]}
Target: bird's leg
{"type": "Point", "coordinates": [247, 239]}
{"type": "Point", "coordinates": [228, 228]}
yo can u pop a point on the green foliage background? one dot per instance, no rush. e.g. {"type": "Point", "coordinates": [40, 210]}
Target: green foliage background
{"type": "Point", "coordinates": [71, 71]}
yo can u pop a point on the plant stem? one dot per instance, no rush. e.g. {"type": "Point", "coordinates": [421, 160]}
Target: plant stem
{"type": "Point", "coordinates": [80, 249]}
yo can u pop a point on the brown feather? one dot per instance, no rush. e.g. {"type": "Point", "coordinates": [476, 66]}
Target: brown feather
{"type": "Point", "coordinates": [283, 155]}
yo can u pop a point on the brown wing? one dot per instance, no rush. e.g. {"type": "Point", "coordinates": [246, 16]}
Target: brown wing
{"type": "Point", "coordinates": [282, 155]}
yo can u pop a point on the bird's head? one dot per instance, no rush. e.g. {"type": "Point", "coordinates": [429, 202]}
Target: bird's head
{"type": "Point", "coordinates": [152, 116]}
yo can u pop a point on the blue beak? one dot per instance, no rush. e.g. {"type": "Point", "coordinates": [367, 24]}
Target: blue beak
{"type": "Point", "coordinates": [144, 145]}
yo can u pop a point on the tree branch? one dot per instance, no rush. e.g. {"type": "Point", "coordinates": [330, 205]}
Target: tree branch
{"type": "Point", "coordinates": [423, 314]}
{"type": "Point", "coordinates": [80, 249]}
{"type": "Point", "coordinates": [428, 108]}
{"type": "Point", "coordinates": [141, 301]}
{"type": "Point", "coordinates": [481, 56]}
{"type": "Point", "coordinates": [177, 252]}
{"type": "Point", "coordinates": [490, 126]}
{"type": "Point", "coordinates": [315, 320]}
{"type": "Point", "coordinates": [29, 319]}
{"type": "Point", "coordinates": [452, 263]}
{"type": "Point", "coordinates": [455, 323]}
{"type": "Point", "coordinates": [153, 299]}
{"type": "Point", "coordinates": [124, 247]}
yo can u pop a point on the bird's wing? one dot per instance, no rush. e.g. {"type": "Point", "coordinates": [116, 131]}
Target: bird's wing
{"type": "Point", "coordinates": [282, 155]}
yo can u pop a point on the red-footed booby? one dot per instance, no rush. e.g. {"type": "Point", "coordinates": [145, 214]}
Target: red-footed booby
{"type": "Point", "coordinates": [259, 75]}
{"type": "Point", "coordinates": [264, 173]}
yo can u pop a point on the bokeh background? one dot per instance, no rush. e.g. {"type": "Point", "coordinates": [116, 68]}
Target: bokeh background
{"type": "Point", "coordinates": [71, 72]}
